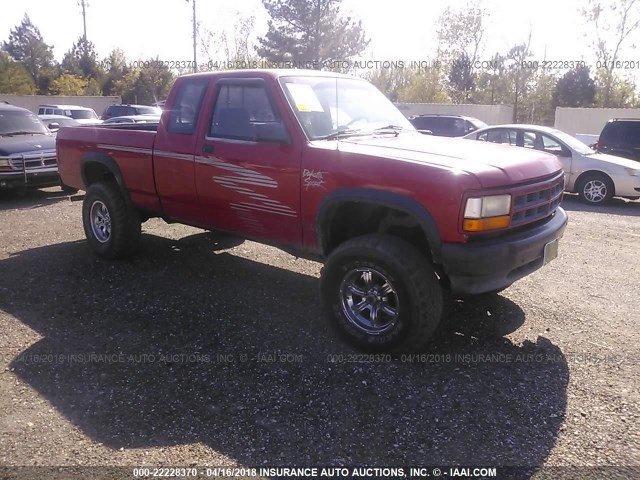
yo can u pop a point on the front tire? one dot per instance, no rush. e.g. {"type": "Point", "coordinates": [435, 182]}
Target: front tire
{"type": "Point", "coordinates": [380, 293]}
{"type": "Point", "coordinates": [111, 226]}
{"type": "Point", "coordinates": [595, 189]}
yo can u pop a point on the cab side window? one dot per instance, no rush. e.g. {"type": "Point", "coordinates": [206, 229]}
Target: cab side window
{"type": "Point", "coordinates": [245, 112]}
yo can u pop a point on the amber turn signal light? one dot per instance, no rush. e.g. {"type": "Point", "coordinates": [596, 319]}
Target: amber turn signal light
{"type": "Point", "coordinates": [483, 224]}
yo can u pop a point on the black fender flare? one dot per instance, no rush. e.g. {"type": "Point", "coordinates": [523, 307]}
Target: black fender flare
{"type": "Point", "coordinates": [110, 164]}
{"type": "Point", "coordinates": [382, 198]}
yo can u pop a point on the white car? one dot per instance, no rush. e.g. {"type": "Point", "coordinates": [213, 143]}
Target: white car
{"type": "Point", "coordinates": [596, 177]}
{"type": "Point", "coordinates": [54, 122]}
{"type": "Point", "coordinates": [83, 115]}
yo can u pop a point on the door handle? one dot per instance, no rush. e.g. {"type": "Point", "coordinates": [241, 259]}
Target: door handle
{"type": "Point", "coordinates": [207, 149]}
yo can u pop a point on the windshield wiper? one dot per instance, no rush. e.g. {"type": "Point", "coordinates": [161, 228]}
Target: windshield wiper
{"type": "Point", "coordinates": [389, 129]}
{"type": "Point", "coordinates": [345, 132]}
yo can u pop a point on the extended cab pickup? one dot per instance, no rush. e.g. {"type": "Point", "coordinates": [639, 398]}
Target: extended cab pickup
{"type": "Point", "coordinates": [325, 166]}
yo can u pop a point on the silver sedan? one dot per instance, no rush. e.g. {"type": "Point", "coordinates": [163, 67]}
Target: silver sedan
{"type": "Point", "coordinates": [596, 177]}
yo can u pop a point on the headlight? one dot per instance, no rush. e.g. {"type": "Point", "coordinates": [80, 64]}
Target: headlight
{"type": "Point", "coordinates": [633, 172]}
{"type": "Point", "coordinates": [487, 206]}
{"type": "Point", "coordinates": [487, 213]}
{"type": "Point", "coordinates": [5, 164]}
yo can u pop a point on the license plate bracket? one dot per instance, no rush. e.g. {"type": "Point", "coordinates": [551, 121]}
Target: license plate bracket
{"type": "Point", "coordinates": [551, 251]}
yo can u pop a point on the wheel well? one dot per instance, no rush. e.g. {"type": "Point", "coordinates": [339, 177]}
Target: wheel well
{"type": "Point", "coordinates": [93, 172]}
{"type": "Point", "coordinates": [583, 175]}
{"type": "Point", "coordinates": [353, 219]}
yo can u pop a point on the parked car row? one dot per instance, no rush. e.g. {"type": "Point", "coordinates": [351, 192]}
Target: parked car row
{"type": "Point", "coordinates": [28, 141]}
{"type": "Point", "coordinates": [446, 125]}
{"type": "Point", "coordinates": [56, 116]}
{"type": "Point", "coordinates": [596, 177]}
{"type": "Point", "coordinates": [597, 174]}
{"type": "Point", "coordinates": [612, 169]}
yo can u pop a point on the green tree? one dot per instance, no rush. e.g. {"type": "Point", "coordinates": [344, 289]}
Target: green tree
{"type": "Point", "coordinates": [493, 86]}
{"type": "Point", "coordinates": [68, 84]}
{"type": "Point", "coordinates": [26, 45]}
{"type": "Point", "coordinates": [461, 79]}
{"type": "Point", "coordinates": [613, 22]}
{"type": "Point", "coordinates": [116, 69]}
{"type": "Point", "coordinates": [424, 86]}
{"type": "Point", "coordinates": [125, 86]}
{"type": "Point", "coordinates": [93, 87]}
{"type": "Point", "coordinates": [82, 60]}
{"type": "Point", "coordinates": [14, 78]}
{"type": "Point", "coordinates": [539, 105]}
{"type": "Point", "coordinates": [575, 88]}
{"type": "Point", "coordinates": [389, 80]}
{"type": "Point", "coordinates": [521, 79]}
{"type": "Point", "coordinates": [460, 36]}
{"type": "Point", "coordinates": [153, 83]}
{"type": "Point", "coordinates": [310, 31]}
{"type": "Point", "coordinates": [614, 91]}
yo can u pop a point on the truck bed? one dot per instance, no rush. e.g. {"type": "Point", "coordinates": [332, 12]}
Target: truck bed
{"type": "Point", "coordinates": [130, 146]}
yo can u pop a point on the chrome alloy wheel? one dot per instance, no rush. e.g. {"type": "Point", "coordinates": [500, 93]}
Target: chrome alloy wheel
{"type": "Point", "coordinates": [369, 300]}
{"type": "Point", "coordinates": [595, 191]}
{"type": "Point", "coordinates": [100, 221]}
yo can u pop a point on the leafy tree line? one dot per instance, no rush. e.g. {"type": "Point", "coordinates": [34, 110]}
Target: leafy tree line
{"type": "Point", "coordinates": [534, 88]}
{"type": "Point", "coordinates": [28, 67]}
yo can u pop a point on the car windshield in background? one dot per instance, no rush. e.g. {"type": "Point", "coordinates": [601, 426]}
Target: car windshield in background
{"type": "Point", "coordinates": [83, 114]}
{"type": "Point", "coordinates": [149, 111]}
{"type": "Point", "coordinates": [20, 123]}
{"type": "Point", "coordinates": [326, 106]}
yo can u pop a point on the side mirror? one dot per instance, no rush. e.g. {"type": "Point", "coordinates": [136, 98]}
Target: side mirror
{"type": "Point", "coordinates": [272, 132]}
{"type": "Point", "coordinates": [53, 126]}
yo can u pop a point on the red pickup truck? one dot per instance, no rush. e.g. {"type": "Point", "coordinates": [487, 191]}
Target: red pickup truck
{"type": "Point", "coordinates": [326, 167]}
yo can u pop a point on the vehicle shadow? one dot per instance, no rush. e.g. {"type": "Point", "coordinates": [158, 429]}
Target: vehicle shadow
{"type": "Point", "coordinates": [34, 198]}
{"type": "Point", "coordinates": [189, 343]}
{"type": "Point", "coordinates": [616, 206]}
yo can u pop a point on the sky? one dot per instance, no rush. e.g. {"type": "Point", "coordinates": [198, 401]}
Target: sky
{"type": "Point", "coordinates": [401, 29]}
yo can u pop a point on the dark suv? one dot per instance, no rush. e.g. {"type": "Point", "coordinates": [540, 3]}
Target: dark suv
{"type": "Point", "coordinates": [128, 110]}
{"type": "Point", "coordinates": [446, 125]}
{"type": "Point", "coordinates": [27, 150]}
{"type": "Point", "coordinates": [621, 137]}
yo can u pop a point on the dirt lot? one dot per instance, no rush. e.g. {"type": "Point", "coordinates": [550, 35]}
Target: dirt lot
{"type": "Point", "coordinates": [208, 351]}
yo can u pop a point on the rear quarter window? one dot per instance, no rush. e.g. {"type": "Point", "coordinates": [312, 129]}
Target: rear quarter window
{"type": "Point", "coordinates": [186, 106]}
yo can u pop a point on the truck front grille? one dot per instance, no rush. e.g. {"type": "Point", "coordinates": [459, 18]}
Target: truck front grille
{"type": "Point", "coordinates": [537, 201]}
{"type": "Point", "coordinates": [33, 160]}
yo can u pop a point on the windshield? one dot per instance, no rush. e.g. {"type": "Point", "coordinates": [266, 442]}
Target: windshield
{"type": "Point", "coordinates": [19, 122]}
{"type": "Point", "coordinates": [326, 105]}
{"type": "Point", "coordinates": [83, 114]}
{"type": "Point", "coordinates": [573, 143]}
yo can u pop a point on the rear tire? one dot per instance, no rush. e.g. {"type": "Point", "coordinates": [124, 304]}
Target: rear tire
{"type": "Point", "coordinates": [380, 293]}
{"type": "Point", "coordinates": [595, 189]}
{"type": "Point", "coordinates": [111, 226]}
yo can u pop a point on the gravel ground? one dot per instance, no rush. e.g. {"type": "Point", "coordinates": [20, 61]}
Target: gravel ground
{"type": "Point", "coordinates": [205, 350]}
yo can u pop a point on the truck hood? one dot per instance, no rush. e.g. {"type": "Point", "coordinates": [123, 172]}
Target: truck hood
{"type": "Point", "coordinates": [26, 144]}
{"type": "Point", "coordinates": [493, 165]}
